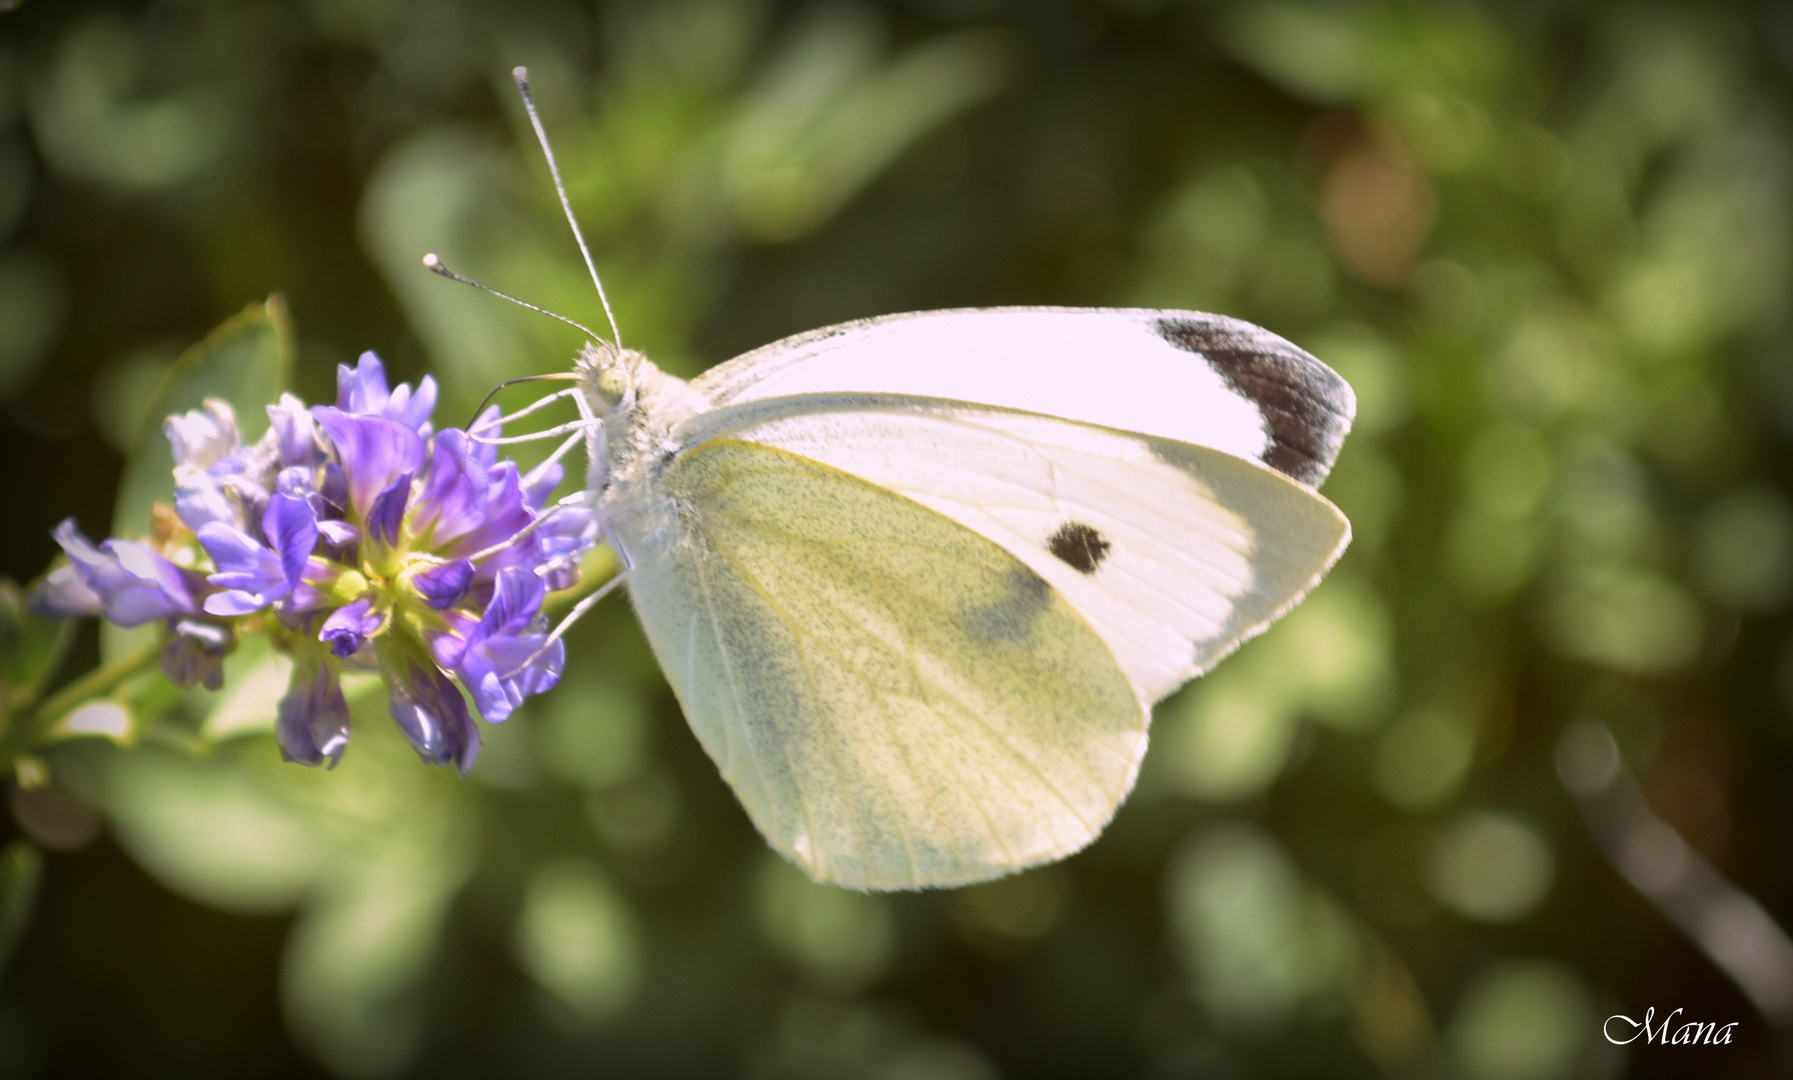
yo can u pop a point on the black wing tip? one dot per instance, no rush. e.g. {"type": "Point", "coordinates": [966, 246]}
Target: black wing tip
{"type": "Point", "coordinates": [1307, 407]}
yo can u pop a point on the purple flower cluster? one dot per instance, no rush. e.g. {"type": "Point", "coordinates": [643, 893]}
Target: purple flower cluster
{"type": "Point", "coordinates": [356, 536]}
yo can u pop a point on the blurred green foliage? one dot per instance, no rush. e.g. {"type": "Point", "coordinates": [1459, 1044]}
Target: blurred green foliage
{"type": "Point", "coordinates": [1547, 244]}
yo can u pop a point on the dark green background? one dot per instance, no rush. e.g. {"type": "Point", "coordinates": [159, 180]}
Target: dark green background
{"type": "Point", "coordinates": [1548, 242]}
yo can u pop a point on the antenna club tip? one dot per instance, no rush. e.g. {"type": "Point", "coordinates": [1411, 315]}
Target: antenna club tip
{"type": "Point", "coordinates": [431, 261]}
{"type": "Point", "coordinates": [520, 73]}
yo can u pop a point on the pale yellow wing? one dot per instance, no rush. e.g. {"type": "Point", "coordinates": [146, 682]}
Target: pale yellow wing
{"type": "Point", "coordinates": [1173, 553]}
{"type": "Point", "coordinates": [897, 701]}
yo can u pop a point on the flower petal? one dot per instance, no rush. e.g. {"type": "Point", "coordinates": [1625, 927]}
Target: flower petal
{"type": "Point", "coordinates": [500, 672]}
{"type": "Point", "coordinates": [133, 583]}
{"type": "Point", "coordinates": [313, 724]}
{"type": "Point", "coordinates": [301, 481]}
{"type": "Point", "coordinates": [295, 433]}
{"type": "Point", "coordinates": [568, 534]}
{"type": "Point", "coordinates": [487, 427]}
{"type": "Point", "coordinates": [516, 601]}
{"type": "Point", "coordinates": [312, 592]}
{"type": "Point", "coordinates": [507, 656]}
{"type": "Point", "coordinates": [62, 595]}
{"type": "Point", "coordinates": [505, 515]}
{"type": "Point", "coordinates": [252, 496]}
{"type": "Point", "coordinates": [431, 714]}
{"type": "Point", "coordinates": [442, 586]}
{"type": "Point", "coordinates": [195, 653]}
{"type": "Point", "coordinates": [201, 437]}
{"type": "Point", "coordinates": [374, 452]}
{"type": "Point", "coordinates": [454, 492]}
{"type": "Point", "coordinates": [341, 542]}
{"type": "Point", "coordinates": [335, 490]}
{"type": "Point", "coordinates": [447, 645]}
{"type": "Point", "coordinates": [233, 602]}
{"type": "Point", "coordinates": [540, 483]}
{"type": "Point", "coordinates": [413, 409]}
{"type": "Point", "coordinates": [361, 390]}
{"type": "Point", "coordinates": [251, 574]}
{"type": "Point", "coordinates": [291, 526]}
{"type": "Point", "coordinates": [200, 499]}
{"type": "Point", "coordinates": [235, 552]}
{"type": "Point", "coordinates": [522, 662]}
{"type": "Point", "coordinates": [386, 517]}
{"type": "Point", "coordinates": [349, 626]}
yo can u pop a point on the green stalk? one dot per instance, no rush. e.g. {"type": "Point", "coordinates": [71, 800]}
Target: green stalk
{"type": "Point", "coordinates": [22, 736]}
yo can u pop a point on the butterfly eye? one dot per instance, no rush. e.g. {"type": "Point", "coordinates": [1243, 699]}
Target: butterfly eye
{"type": "Point", "coordinates": [613, 383]}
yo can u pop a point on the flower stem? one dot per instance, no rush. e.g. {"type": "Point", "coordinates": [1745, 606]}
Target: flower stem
{"type": "Point", "coordinates": [22, 735]}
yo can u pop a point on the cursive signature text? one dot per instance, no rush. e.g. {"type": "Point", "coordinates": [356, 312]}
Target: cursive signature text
{"type": "Point", "coordinates": [1666, 1033]}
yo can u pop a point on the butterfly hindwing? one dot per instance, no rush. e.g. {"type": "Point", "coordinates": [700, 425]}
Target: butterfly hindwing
{"type": "Point", "coordinates": [897, 700]}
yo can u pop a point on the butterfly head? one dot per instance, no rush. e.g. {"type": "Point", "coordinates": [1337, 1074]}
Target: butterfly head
{"type": "Point", "coordinates": [608, 378]}
{"type": "Point", "coordinates": [636, 405]}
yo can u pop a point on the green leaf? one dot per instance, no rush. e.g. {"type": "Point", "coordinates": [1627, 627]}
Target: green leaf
{"type": "Point", "coordinates": [247, 361]}
{"type": "Point", "coordinates": [214, 831]}
{"type": "Point", "coordinates": [361, 950]}
{"type": "Point", "coordinates": [31, 648]}
{"type": "Point", "coordinates": [21, 871]}
{"type": "Point", "coordinates": [255, 679]}
{"type": "Point", "coordinates": [578, 937]}
{"type": "Point", "coordinates": [830, 117]}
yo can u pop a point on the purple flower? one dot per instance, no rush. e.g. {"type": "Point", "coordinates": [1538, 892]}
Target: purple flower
{"type": "Point", "coordinates": [349, 626]}
{"type": "Point", "coordinates": [195, 651]}
{"type": "Point", "coordinates": [386, 517]}
{"type": "Point", "coordinates": [505, 515]}
{"type": "Point", "coordinates": [503, 659]}
{"type": "Point", "coordinates": [216, 477]}
{"type": "Point", "coordinates": [129, 582]}
{"type": "Point", "coordinates": [430, 713]}
{"type": "Point", "coordinates": [454, 494]}
{"type": "Point", "coordinates": [252, 574]}
{"type": "Point", "coordinates": [63, 595]}
{"type": "Point", "coordinates": [561, 541]}
{"type": "Point", "coordinates": [353, 533]}
{"type": "Point", "coordinates": [373, 451]}
{"type": "Point", "coordinates": [541, 482]}
{"type": "Point", "coordinates": [200, 500]}
{"type": "Point", "coordinates": [361, 391]}
{"type": "Point", "coordinates": [313, 723]}
{"type": "Point", "coordinates": [203, 437]}
{"type": "Point", "coordinates": [443, 586]}
{"type": "Point", "coordinates": [295, 433]}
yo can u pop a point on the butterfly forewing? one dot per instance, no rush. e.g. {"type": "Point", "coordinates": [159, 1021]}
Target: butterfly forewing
{"type": "Point", "coordinates": [1191, 377]}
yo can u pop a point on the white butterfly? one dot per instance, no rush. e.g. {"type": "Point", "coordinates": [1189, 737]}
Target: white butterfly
{"type": "Point", "coordinates": [918, 580]}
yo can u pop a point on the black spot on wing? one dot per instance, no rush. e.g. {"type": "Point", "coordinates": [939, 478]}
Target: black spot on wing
{"type": "Point", "coordinates": [1079, 547]}
{"type": "Point", "coordinates": [1307, 409]}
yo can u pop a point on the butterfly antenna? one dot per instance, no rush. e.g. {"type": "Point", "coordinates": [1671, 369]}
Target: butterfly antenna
{"type": "Point", "coordinates": [435, 266]}
{"type": "Point", "coordinates": [521, 75]}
